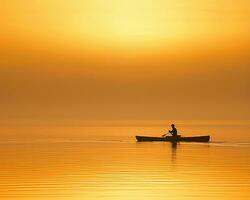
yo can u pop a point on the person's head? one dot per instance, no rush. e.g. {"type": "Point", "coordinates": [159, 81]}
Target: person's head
{"type": "Point", "coordinates": [172, 125]}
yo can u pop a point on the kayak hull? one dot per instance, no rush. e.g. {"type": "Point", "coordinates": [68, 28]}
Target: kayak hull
{"type": "Point", "coordinates": [172, 139]}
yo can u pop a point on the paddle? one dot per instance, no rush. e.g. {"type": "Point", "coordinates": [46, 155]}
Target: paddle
{"type": "Point", "coordinates": [165, 134]}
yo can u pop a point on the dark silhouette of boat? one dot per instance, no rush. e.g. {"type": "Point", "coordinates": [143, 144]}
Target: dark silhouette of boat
{"type": "Point", "coordinates": [173, 139]}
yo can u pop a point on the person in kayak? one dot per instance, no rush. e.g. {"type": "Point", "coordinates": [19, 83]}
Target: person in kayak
{"type": "Point", "coordinates": [173, 131]}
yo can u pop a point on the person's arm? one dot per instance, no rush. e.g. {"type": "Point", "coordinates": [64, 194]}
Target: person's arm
{"type": "Point", "coordinates": [166, 133]}
{"type": "Point", "coordinates": [171, 132]}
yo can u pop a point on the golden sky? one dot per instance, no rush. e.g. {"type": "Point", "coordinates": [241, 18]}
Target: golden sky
{"type": "Point", "coordinates": [134, 59]}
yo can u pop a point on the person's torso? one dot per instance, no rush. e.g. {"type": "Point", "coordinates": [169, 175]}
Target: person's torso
{"type": "Point", "coordinates": [174, 131]}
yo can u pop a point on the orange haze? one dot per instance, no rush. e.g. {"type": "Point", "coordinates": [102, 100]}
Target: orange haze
{"type": "Point", "coordinates": [134, 59]}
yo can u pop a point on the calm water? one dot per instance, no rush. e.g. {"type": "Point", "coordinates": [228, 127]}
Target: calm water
{"type": "Point", "coordinates": [103, 161]}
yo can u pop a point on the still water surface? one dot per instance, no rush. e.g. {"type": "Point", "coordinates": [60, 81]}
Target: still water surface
{"type": "Point", "coordinates": [105, 162]}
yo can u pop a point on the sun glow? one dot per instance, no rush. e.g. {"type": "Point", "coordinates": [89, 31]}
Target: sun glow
{"type": "Point", "coordinates": [130, 22]}
{"type": "Point", "coordinates": [129, 19]}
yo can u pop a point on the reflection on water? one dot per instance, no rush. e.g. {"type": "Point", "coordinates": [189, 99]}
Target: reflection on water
{"type": "Point", "coordinates": [100, 168]}
{"type": "Point", "coordinates": [174, 147]}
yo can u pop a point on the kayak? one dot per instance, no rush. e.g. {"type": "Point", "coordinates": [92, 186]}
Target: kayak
{"type": "Point", "coordinates": [172, 139]}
